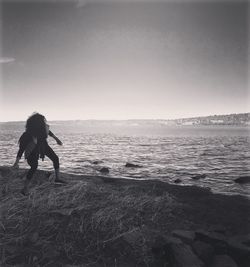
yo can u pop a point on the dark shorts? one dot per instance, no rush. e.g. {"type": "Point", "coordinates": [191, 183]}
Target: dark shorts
{"type": "Point", "coordinates": [34, 157]}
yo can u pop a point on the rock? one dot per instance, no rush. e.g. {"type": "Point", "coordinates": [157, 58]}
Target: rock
{"type": "Point", "coordinates": [243, 180]}
{"type": "Point", "coordinates": [65, 212]}
{"type": "Point", "coordinates": [239, 251]}
{"type": "Point", "coordinates": [104, 170]}
{"type": "Point", "coordinates": [223, 261]}
{"type": "Point", "coordinates": [186, 236]}
{"type": "Point", "coordinates": [217, 229]}
{"type": "Point", "coordinates": [182, 255]}
{"type": "Point", "coordinates": [160, 251]}
{"type": "Point", "coordinates": [131, 165]}
{"type": "Point", "coordinates": [204, 251]}
{"type": "Point", "coordinates": [243, 239]}
{"type": "Point", "coordinates": [236, 247]}
{"type": "Point", "coordinates": [133, 238]}
{"type": "Point", "coordinates": [199, 176]}
{"type": "Point", "coordinates": [246, 240]}
{"type": "Point", "coordinates": [96, 162]}
{"type": "Point", "coordinates": [172, 251]}
{"type": "Point", "coordinates": [177, 181]}
{"type": "Point", "coordinates": [218, 241]}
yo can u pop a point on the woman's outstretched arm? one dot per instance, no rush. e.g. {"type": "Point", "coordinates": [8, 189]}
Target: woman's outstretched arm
{"type": "Point", "coordinates": [59, 142]}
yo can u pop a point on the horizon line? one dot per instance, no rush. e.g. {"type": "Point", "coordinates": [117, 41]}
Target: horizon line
{"type": "Point", "coordinates": [181, 118]}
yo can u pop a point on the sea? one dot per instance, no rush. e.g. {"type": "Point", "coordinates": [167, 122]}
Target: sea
{"type": "Point", "coordinates": [218, 153]}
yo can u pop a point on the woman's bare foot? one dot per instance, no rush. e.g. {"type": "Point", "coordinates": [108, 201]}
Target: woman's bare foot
{"type": "Point", "coordinates": [59, 181]}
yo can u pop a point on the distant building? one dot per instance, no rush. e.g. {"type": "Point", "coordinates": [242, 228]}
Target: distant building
{"type": "Point", "coordinates": [188, 123]}
{"type": "Point", "coordinates": [217, 121]}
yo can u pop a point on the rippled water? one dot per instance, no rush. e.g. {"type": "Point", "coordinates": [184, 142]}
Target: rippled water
{"type": "Point", "coordinates": [222, 153]}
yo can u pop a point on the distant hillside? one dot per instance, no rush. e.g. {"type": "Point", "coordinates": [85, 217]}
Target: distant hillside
{"type": "Point", "coordinates": [231, 119]}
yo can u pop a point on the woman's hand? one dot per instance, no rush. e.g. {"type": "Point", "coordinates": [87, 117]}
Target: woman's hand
{"type": "Point", "coordinates": [16, 164]}
{"type": "Point", "coordinates": [59, 142]}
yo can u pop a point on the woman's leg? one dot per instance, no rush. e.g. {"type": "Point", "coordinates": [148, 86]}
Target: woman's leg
{"type": "Point", "coordinates": [33, 162]}
{"type": "Point", "coordinates": [49, 152]}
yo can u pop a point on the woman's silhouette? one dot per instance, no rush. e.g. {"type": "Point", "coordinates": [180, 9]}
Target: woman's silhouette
{"type": "Point", "coordinates": [33, 142]}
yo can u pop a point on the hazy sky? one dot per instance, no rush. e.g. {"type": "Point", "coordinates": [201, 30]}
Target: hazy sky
{"type": "Point", "coordinates": [126, 60]}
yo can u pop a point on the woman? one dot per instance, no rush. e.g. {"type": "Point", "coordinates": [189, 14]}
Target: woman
{"type": "Point", "coordinates": [33, 142]}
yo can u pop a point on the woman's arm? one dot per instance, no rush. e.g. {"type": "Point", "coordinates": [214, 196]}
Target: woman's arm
{"type": "Point", "coordinates": [59, 142]}
{"type": "Point", "coordinates": [23, 142]}
{"type": "Point", "coordinates": [15, 165]}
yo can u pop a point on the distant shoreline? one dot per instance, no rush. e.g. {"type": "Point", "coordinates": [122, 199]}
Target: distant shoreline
{"type": "Point", "coordinates": [237, 119]}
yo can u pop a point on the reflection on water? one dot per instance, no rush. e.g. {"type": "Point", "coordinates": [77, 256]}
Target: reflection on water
{"type": "Point", "coordinates": [167, 153]}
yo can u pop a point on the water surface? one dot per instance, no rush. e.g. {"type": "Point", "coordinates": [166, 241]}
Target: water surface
{"type": "Point", "coordinates": [222, 153]}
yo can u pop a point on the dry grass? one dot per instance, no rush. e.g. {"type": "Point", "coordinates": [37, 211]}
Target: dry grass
{"type": "Point", "coordinates": [84, 222]}
{"type": "Point", "coordinates": [93, 221]}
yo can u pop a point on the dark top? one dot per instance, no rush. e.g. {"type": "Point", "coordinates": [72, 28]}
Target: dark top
{"type": "Point", "coordinates": [26, 143]}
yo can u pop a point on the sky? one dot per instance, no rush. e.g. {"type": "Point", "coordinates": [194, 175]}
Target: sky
{"type": "Point", "coordinates": [123, 59]}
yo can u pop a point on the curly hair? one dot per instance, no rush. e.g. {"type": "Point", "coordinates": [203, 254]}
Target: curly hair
{"type": "Point", "coordinates": [36, 125]}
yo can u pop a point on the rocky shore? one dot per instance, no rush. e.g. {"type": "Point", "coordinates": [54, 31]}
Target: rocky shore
{"type": "Point", "coordinates": [100, 221]}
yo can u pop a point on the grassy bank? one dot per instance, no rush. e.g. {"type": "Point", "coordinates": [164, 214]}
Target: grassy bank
{"type": "Point", "coordinates": [98, 221]}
